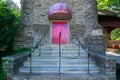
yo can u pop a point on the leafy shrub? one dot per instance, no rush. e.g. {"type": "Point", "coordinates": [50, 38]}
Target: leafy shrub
{"type": "Point", "coordinates": [9, 21]}
{"type": "Point", "coordinates": [2, 73]}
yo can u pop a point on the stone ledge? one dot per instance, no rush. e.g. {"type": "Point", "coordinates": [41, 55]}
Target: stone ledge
{"type": "Point", "coordinates": [80, 77]}
{"type": "Point", "coordinates": [107, 65]}
{"type": "Point", "coordinates": [13, 62]}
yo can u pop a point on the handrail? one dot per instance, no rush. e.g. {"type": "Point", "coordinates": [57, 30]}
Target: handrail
{"type": "Point", "coordinates": [79, 42]}
{"type": "Point", "coordinates": [30, 54]}
{"type": "Point", "coordinates": [40, 43]}
{"type": "Point", "coordinates": [59, 54]}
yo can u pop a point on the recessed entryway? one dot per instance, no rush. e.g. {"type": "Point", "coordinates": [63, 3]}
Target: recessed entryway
{"type": "Point", "coordinates": [59, 30]}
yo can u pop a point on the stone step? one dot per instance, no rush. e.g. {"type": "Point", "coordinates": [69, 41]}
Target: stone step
{"type": "Point", "coordinates": [57, 51]}
{"type": "Point", "coordinates": [37, 63]}
{"type": "Point", "coordinates": [67, 76]}
{"type": "Point", "coordinates": [63, 69]}
{"type": "Point", "coordinates": [57, 45]}
{"type": "Point", "coordinates": [57, 54]}
{"type": "Point", "coordinates": [57, 60]}
{"type": "Point", "coordinates": [57, 57]}
{"type": "Point", "coordinates": [36, 57]}
{"type": "Point", "coordinates": [62, 52]}
{"type": "Point", "coordinates": [49, 62]}
{"type": "Point", "coordinates": [62, 49]}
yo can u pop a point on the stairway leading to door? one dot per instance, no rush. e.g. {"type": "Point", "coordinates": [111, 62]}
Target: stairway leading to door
{"type": "Point", "coordinates": [71, 64]}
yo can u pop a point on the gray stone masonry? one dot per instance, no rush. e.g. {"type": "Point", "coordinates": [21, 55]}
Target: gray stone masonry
{"type": "Point", "coordinates": [96, 44]}
{"type": "Point", "coordinates": [107, 65]}
{"type": "Point", "coordinates": [35, 21]}
{"type": "Point", "coordinates": [84, 77]}
{"type": "Point", "coordinates": [84, 24]}
{"type": "Point", "coordinates": [13, 62]}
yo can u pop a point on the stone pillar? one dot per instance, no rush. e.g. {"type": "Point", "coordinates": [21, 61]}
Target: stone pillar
{"type": "Point", "coordinates": [110, 68]}
{"type": "Point", "coordinates": [90, 17]}
{"type": "Point", "coordinates": [94, 33]}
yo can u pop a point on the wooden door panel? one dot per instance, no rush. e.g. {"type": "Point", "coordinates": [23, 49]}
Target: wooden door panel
{"type": "Point", "coordinates": [57, 28]}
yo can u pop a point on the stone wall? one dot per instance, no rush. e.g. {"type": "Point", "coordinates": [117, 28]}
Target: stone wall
{"type": "Point", "coordinates": [34, 16]}
{"type": "Point", "coordinates": [12, 63]}
{"type": "Point", "coordinates": [107, 65]}
{"type": "Point", "coordinates": [84, 24]}
{"type": "Point", "coordinates": [96, 44]}
{"type": "Point", "coordinates": [35, 22]}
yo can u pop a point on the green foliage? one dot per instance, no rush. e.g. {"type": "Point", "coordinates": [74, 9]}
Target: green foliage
{"type": "Point", "coordinates": [2, 73]}
{"type": "Point", "coordinates": [20, 50]}
{"type": "Point", "coordinates": [115, 34]}
{"type": "Point", "coordinates": [9, 20]}
{"type": "Point", "coordinates": [103, 4]}
{"type": "Point", "coordinates": [111, 5]}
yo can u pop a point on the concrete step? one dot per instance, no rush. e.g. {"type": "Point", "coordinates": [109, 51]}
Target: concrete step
{"type": "Point", "coordinates": [48, 63]}
{"type": "Point", "coordinates": [37, 62]}
{"type": "Point", "coordinates": [55, 46]}
{"type": "Point", "coordinates": [57, 60]}
{"type": "Point", "coordinates": [57, 57]}
{"type": "Point", "coordinates": [57, 49]}
{"type": "Point", "coordinates": [43, 52]}
{"type": "Point", "coordinates": [56, 53]}
{"type": "Point", "coordinates": [63, 48]}
{"type": "Point", "coordinates": [46, 66]}
{"type": "Point", "coordinates": [51, 60]}
{"type": "Point", "coordinates": [67, 76]}
{"type": "Point", "coordinates": [62, 57]}
{"type": "Point", "coordinates": [63, 69]}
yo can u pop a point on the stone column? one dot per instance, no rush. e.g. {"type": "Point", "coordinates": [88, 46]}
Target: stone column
{"type": "Point", "coordinates": [94, 34]}
{"type": "Point", "coordinates": [90, 17]}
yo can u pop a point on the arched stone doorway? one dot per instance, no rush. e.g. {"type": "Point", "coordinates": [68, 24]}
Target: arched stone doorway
{"type": "Point", "coordinates": [59, 15]}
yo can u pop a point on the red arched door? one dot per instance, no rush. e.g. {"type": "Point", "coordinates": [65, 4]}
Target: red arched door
{"type": "Point", "coordinates": [57, 28]}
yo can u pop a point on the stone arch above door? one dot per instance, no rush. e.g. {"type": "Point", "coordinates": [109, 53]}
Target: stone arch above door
{"type": "Point", "coordinates": [59, 11]}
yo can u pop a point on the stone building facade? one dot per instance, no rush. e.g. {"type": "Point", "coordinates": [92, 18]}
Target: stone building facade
{"type": "Point", "coordinates": [83, 24]}
{"type": "Point", "coordinates": [35, 22]}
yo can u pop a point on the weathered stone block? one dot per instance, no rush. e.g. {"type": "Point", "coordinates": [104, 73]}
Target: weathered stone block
{"type": "Point", "coordinates": [13, 62]}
